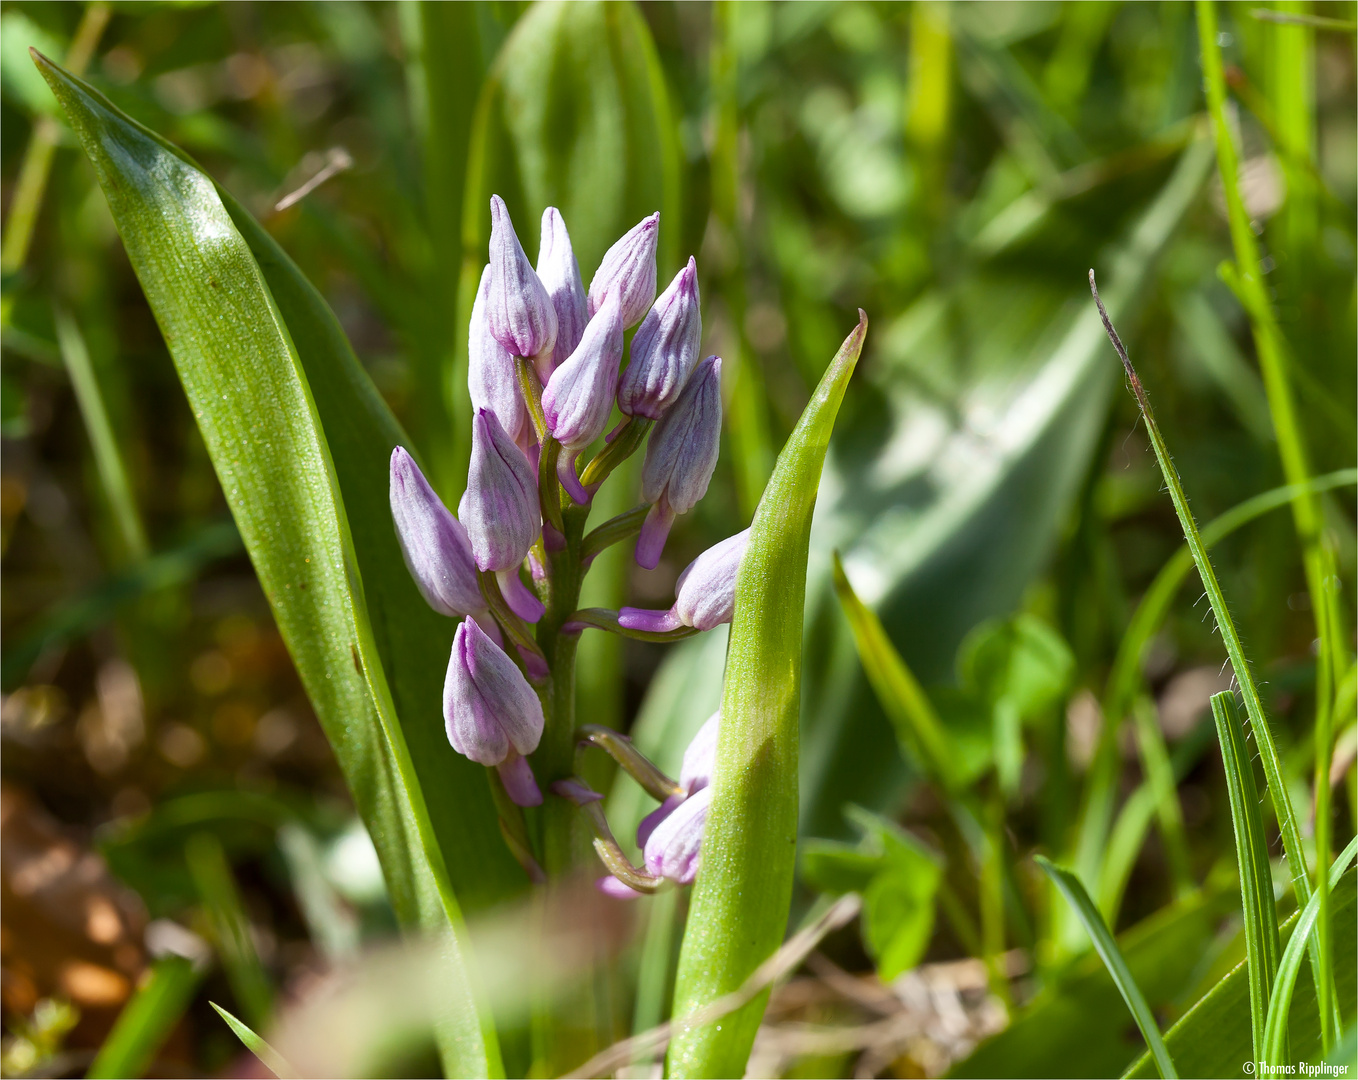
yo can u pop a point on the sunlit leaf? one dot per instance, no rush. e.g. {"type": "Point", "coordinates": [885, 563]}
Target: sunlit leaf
{"type": "Point", "coordinates": [740, 901]}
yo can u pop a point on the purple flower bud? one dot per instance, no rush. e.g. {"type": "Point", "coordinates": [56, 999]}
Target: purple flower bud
{"type": "Point", "coordinates": [491, 713]}
{"type": "Point", "coordinates": [560, 276]}
{"type": "Point", "coordinates": [491, 377]}
{"type": "Point", "coordinates": [628, 270]}
{"type": "Point", "coordinates": [579, 395]}
{"type": "Point", "coordinates": [434, 543]}
{"type": "Point", "coordinates": [611, 886]}
{"type": "Point", "coordinates": [664, 349]}
{"type": "Point", "coordinates": [500, 510]}
{"type": "Point", "coordinates": [674, 849]}
{"type": "Point", "coordinates": [705, 592]}
{"type": "Point", "coordinates": [680, 458]}
{"type": "Point", "coordinates": [520, 312]}
{"type": "Point", "coordinates": [700, 761]}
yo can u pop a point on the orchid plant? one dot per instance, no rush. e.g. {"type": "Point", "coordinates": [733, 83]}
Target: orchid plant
{"type": "Point", "coordinates": [546, 368]}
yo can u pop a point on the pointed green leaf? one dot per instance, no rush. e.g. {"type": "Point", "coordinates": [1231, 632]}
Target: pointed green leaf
{"type": "Point", "coordinates": [251, 397]}
{"type": "Point", "coordinates": [740, 902]}
{"type": "Point", "coordinates": [1074, 892]}
{"type": "Point", "coordinates": [272, 1060]}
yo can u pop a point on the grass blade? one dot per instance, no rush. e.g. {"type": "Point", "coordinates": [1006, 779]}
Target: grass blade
{"type": "Point", "coordinates": [918, 728]}
{"type": "Point", "coordinates": [740, 902]}
{"type": "Point", "coordinates": [1263, 736]}
{"type": "Point", "coordinates": [271, 1059]}
{"type": "Point", "coordinates": [108, 459]}
{"type": "Point", "coordinates": [230, 927]}
{"type": "Point", "coordinates": [1256, 878]}
{"type": "Point", "coordinates": [1280, 1003]}
{"type": "Point", "coordinates": [147, 1020]}
{"type": "Point", "coordinates": [1079, 900]}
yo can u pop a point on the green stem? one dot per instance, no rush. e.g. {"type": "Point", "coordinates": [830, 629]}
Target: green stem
{"type": "Point", "coordinates": [1317, 557]}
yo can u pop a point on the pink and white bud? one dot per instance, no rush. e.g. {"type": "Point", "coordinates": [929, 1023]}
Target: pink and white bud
{"type": "Point", "coordinates": [664, 349]}
{"type": "Point", "coordinates": [705, 594]}
{"type": "Point", "coordinates": [628, 271]}
{"type": "Point", "coordinates": [680, 459]}
{"type": "Point", "coordinates": [490, 712]}
{"type": "Point", "coordinates": [560, 276]}
{"type": "Point", "coordinates": [491, 378]}
{"type": "Point", "coordinates": [433, 542]}
{"type": "Point", "coordinates": [579, 395]}
{"type": "Point", "coordinates": [500, 511]}
{"type": "Point", "coordinates": [519, 311]}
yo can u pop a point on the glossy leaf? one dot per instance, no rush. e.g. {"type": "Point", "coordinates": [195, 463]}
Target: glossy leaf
{"type": "Point", "coordinates": [1074, 892]}
{"type": "Point", "coordinates": [740, 901]}
{"type": "Point", "coordinates": [249, 392]}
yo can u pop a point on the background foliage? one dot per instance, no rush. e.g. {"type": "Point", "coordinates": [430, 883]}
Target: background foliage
{"type": "Point", "coordinates": [954, 170]}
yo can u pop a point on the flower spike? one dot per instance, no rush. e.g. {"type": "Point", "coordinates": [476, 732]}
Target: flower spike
{"type": "Point", "coordinates": [628, 271]}
{"type": "Point", "coordinates": [680, 458]}
{"type": "Point", "coordinates": [664, 349]}
{"type": "Point", "coordinates": [520, 312]}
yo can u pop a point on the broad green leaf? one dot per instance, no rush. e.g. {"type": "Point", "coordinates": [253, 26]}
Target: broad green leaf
{"type": "Point", "coordinates": [898, 878]}
{"type": "Point", "coordinates": [1077, 1025]}
{"type": "Point", "coordinates": [147, 1019]}
{"type": "Point", "coordinates": [1213, 1037]}
{"type": "Point", "coordinates": [1251, 853]}
{"type": "Point", "coordinates": [1074, 891]}
{"type": "Point", "coordinates": [413, 641]}
{"type": "Point", "coordinates": [1018, 668]}
{"type": "Point", "coordinates": [249, 392]}
{"type": "Point", "coordinates": [1016, 388]}
{"type": "Point", "coordinates": [271, 1059]}
{"type": "Point", "coordinates": [740, 902]}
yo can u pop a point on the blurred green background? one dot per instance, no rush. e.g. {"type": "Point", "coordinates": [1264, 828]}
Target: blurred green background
{"type": "Point", "coordinates": [954, 169]}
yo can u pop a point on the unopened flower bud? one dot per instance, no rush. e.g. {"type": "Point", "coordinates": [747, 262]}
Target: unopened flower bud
{"type": "Point", "coordinates": [519, 311]}
{"type": "Point", "coordinates": [491, 713]}
{"type": "Point", "coordinates": [579, 395]}
{"type": "Point", "coordinates": [491, 378]}
{"type": "Point", "coordinates": [680, 458]}
{"type": "Point", "coordinates": [560, 276]}
{"type": "Point", "coordinates": [705, 594]}
{"type": "Point", "coordinates": [664, 349]}
{"type": "Point", "coordinates": [674, 848]}
{"type": "Point", "coordinates": [500, 510]}
{"type": "Point", "coordinates": [700, 761]}
{"type": "Point", "coordinates": [434, 543]}
{"type": "Point", "coordinates": [628, 270]}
